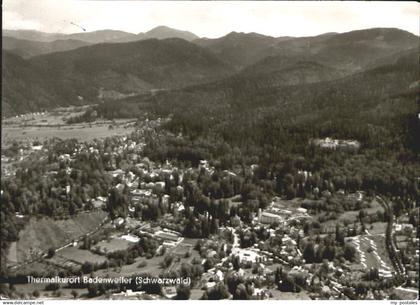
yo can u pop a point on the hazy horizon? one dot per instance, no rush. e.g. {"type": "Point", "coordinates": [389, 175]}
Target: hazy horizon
{"type": "Point", "coordinates": [210, 19]}
{"type": "Point", "coordinates": [108, 29]}
{"type": "Point", "coordinates": [52, 33]}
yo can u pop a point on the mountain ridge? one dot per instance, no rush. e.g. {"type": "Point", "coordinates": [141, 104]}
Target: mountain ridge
{"type": "Point", "coordinates": [120, 67]}
{"type": "Point", "coordinates": [101, 36]}
{"type": "Point", "coordinates": [30, 48]}
{"type": "Point", "coordinates": [174, 63]}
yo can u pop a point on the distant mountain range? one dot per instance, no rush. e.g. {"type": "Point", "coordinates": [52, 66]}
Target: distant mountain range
{"type": "Point", "coordinates": [85, 74]}
{"type": "Point", "coordinates": [30, 48]}
{"type": "Point", "coordinates": [89, 37]}
{"type": "Point", "coordinates": [162, 32]}
{"type": "Point", "coordinates": [353, 50]}
{"type": "Point", "coordinates": [29, 43]}
{"type": "Point", "coordinates": [382, 99]}
{"type": "Point", "coordinates": [240, 49]}
{"type": "Point", "coordinates": [43, 70]}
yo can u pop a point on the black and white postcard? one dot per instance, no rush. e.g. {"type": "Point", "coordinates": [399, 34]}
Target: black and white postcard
{"type": "Point", "coordinates": [210, 150]}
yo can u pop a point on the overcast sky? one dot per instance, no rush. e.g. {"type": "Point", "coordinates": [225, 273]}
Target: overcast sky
{"type": "Point", "coordinates": [212, 18]}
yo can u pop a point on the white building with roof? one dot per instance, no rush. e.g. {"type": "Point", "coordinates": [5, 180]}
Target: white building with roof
{"type": "Point", "coordinates": [269, 218]}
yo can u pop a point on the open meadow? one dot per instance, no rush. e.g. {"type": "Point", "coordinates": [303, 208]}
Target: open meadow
{"type": "Point", "coordinates": [41, 234]}
{"type": "Point", "coordinates": [46, 125]}
{"type": "Point", "coordinates": [114, 243]}
{"type": "Point", "coordinates": [80, 256]}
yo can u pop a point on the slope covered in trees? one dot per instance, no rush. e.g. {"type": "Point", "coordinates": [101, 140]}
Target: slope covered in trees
{"type": "Point", "coordinates": [234, 122]}
{"type": "Point", "coordinates": [352, 51]}
{"type": "Point", "coordinates": [239, 49]}
{"type": "Point", "coordinates": [100, 36]}
{"type": "Point", "coordinates": [92, 73]}
{"type": "Point", "coordinates": [24, 86]}
{"type": "Point", "coordinates": [77, 76]}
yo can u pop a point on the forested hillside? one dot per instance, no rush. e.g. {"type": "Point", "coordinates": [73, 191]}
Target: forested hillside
{"type": "Point", "coordinates": [78, 76]}
{"type": "Point", "coordinates": [240, 49]}
{"type": "Point", "coordinates": [352, 51]}
{"type": "Point", "coordinates": [25, 86]}
{"type": "Point", "coordinates": [235, 122]}
{"type": "Point", "coordinates": [237, 63]}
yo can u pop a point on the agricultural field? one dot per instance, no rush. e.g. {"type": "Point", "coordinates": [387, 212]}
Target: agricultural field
{"type": "Point", "coordinates": [114, 243]}
{"type": "Point", "coordinates": [180, 252]}
{"type": "Point", "coordinates": [352, 216]}
{"type": "Point", "coordinates": [41, 234]}
{"type": "Point", "coordinates": [182, 249]}
{"type": "Point", "coordinates": [38, 267]}
{"type": "Point", "coordinates": [80, 132]}
{"type": "Point", "coordinates": [26, 291]}
{"type": "Point", "coordinates": [151, 266]}
{"type": "Point", "coordinates": [288, 204]}
{"type": "Point", "coordinates": [377, 228]}
{"type": "Point", "coordinates": [61, 261]}
{"type": "Point", "coordinates": [80, 256]}
{"type": "Point", "coordinates": [46, 125]}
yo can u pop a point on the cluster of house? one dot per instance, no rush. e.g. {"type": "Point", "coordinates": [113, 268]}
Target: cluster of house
{"type": "Point", "coordinates": [329, 143]}
{"type": "Point", "coordinates": [407, 232]}
{"type": "Point", "coordinates": [30, 115]}
{"type": "Point", "coordinates": [276, 215]}
{"type": "Point", "coordinates": [128, 294]}
{"type": "Point", "coordinates": [269, 218]}
{"type": "Point", "coordinates": [167, 238]}
{"type": "Point", "coordinates": [250, 256]}
{"type": "Point", "coordinates": [140, 190]}
{"type": "Point", "coordinates": [24, 151]}
{"type": "Point", "coordinates": [6, 169]}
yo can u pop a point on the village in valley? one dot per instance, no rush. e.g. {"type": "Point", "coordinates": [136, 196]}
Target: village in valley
{"type": "Point", "coordinates": [110, 210]}
{"type": "Point", "coordinates": [215, 150]}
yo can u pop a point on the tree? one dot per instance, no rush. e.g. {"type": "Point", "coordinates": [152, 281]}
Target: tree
{"type": "Point", "coordinates": [117, 204]}
{"type": "Point", "coordinates": [361, 288]}
{"type": "Point", "coordinates": [92, 291]}
{"type": "Point", "coordinates": [74, 293]}
{"type": "Point", "coordinates": [52, 287]}
{"type": "Point", "coordinates": [214, 226]}
{"type": "Point", "coordinates": [278, 277]}
{"type": "Point", "coordinates": [183, 292]}
{"type": "Point", "coordinates": [218, 292]}
{"type": "Point", "coordinates": [289, 188]}
{"type": "Point", "coordinates": [329, 253]}
{"type": "Point", "coordinates": [51, 252]}
{"type": "Point", "coordinates": [309, 252]}
{"type": "Point", "coordinates": [208, 264]}
{"type": "Point", "coordinates": [167, 261]}
{"type": "Point", "coordinates": [87, 243]}
{"type": "Point", "coordinates": [87, 267]}
{"type": "Point", "coordinates": [241, 293]}
{"type": "Point", "coordinates": [36, 293]}
{"type": "Point", "coordinates": [371, 275]}
{"type": "Point", "coordinates": [349, 252]}
{"type": "Point", "coordinates": [339, 235]}
{"type": "Point", "coordinates": [236, 262]}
